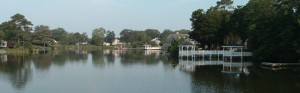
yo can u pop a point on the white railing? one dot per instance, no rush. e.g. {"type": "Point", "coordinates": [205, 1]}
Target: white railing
{"type": "Point", "coordinates": [237, 54]}
{"type": "Point", "coordinates": [213, 52]}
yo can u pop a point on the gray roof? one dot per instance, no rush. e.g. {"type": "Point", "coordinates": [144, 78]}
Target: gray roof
{"type": "Point", "coordinates": [189, 42]}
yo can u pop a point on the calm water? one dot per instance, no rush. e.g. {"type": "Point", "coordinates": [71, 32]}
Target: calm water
{"type": "Point", "coordinates": [112, 71]}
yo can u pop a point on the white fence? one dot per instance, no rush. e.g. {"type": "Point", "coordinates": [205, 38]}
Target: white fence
{"type": "Point", "coordinates": [213, 52]}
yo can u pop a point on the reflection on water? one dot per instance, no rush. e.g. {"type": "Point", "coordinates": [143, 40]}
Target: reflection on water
{"type": "Point", "coordinates": [217, 76]}
{"type": "Point", "coordinates": [227, 67]}
{"type": "Point", "coordinates": [16, 70]}
{"type": "Point", "coordinates": [135, 71]}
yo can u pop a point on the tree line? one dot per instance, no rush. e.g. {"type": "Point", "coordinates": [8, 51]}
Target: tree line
{"type": "Point", "coordinates": [136, 38]}
{"type": "Point", "coordinates": [20, 32]}
{"type": "Point", "coordinates": [269, 28]}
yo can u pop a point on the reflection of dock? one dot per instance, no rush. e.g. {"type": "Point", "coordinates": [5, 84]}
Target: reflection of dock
{"type": "Point", "coordinates": [189, 65]}
{"type": "Point", "coordinates": [236, 68]}
{"type": "Point", "coordinates": [227, 52]}
{"type": "Point", "coordinates": [228, 67]}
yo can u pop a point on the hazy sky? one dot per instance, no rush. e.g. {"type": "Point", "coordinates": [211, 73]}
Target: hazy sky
{"type": "Point", "coordinates": [115, 15]}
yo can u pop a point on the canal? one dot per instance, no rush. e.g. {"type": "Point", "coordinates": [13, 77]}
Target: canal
{"type": "Point", "coordinates": [135, 71]}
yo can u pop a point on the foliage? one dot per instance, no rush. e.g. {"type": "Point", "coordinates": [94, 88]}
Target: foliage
{"type": "Point", "coordinates": [174, 48]}
{"type": "Point", "coordinates": [59, 34]}
{"type": "Point", "coordinates": [270, 28]}
{"type": "Point", "coordinates": [110, 37]}
{"type": "Point", "coordinates": [18, 29]}
{"type": "Point", "coordinates": [42, 35]}
{"type": "Point", "coordinates": [164, 35]}
{"type": "Point", "coordinates": [2, 34]}
{"type": "Point", "coordinates": [98, 36]}
{"type": "Point", "coordinates": [125, 35]}
{"type": "Point", "coordinates": [152, 33]}
{"type": "Point", "coordinates": [134, 38]}
{"type": "Point", "coordinates": [77, 38]}
{"type": "Point", "coordinates": [209, 27]}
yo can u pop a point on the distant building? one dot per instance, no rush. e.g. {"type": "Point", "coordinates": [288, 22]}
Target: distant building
{"type": "Point", "coordinates": [116, 42]}
{"type": "Point", "coordinates": [3, 43]}
{"type": "Point", "coordinates": [81, 43]}
{"type": "Point", "coordinates": [106, 43]}
{"type": "Point", "coordinates": [156, 40]}
{"type": "Point", "coordinates": [175, 36]}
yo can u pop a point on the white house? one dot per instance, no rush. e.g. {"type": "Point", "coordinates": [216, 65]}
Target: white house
{"type": "Point", "coordinates": [106, 43]}
{"type": "Point", "coordinates": [116, 42]}
{"type": "Point", "coordinates": [3, 43]}
{"type": "Point", "coordinates": [156, 40]}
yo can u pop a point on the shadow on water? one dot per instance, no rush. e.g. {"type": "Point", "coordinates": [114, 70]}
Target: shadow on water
{"type": "Point", "coordinates": [238, 77]}
{"type": "Point", "coordinates": [16, 69]}
{"type": "Point", "coordinates": [206, 75]}
{"type": "Point", "coordinates": [129, 57]}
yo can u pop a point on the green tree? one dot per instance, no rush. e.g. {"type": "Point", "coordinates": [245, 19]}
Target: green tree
{"type": "Point", "coordinates": [173, 49]}
{"type": "Point", "coordinates": [76, 38]}
{"type": "Point", "coordinates": [138, 39]}
{"type": "Point", "coordinates": [18, 28]}
{"type": "Point", "coordinates": [152, 33]}
{"type": "Point", "coordinates": [110, 37]}
{"type": "Point", "coordinates": [275, 31]}
{"type": "Point", "coordinates": [2, 34]}
{"type": "Point", "coordinates": [164, 35]}
{"type": "Point", "coordinates": [59, 34]}
{"type": "Point", "coordinates": [224, 4]}
{"type": "Point", "coordinates": [98, 36]}
{"type": "Point", "coordinates": [42, 35]}
{"type": "Point", "coordinates": [209, 28]}
{"type": "Point", "coordinates": [125, 35]}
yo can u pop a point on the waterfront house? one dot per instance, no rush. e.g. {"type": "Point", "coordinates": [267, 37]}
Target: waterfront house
{"type": "Point", "coordinates": [81, 43]}
{"type": "Point", "coordinates": [106, 43]}
{"type": "Point", "coordinates": [3, 44]}
{"type": "Point", "coordinates": [156, 40]}
{"type": "Point", "coordinates": [175, 36]}
{"type": "Point", "coordinates": [149, 47]}
{"type": "Point", "coordinates": [116, 42]}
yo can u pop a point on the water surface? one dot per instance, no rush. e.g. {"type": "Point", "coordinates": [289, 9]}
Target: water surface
{"type": "Point", "coordinates": [134, 71]}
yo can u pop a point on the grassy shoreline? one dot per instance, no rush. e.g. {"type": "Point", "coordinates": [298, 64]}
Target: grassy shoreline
{"type": "Point", "coordinates": [52, 48]}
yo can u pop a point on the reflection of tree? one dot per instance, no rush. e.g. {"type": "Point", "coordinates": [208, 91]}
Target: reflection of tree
{"type": "Point", "coordinates": [42, 61]}
{"type": "Point", "coordinates": [60, 58]}
{"type": "Point", "coordinates": [77, 56]}
{"type": "Point", "coordinates": [98, 58]}
{"type": "Point", "coordinates": [17, 70]}
{"type": "Point", "coordinates": [207, 79]}
{"type": "Point", "coordinates": [110, 57]}
{"type": "Point", "coordinates": [138, 57]}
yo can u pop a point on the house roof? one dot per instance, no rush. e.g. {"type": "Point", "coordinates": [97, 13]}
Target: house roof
{"type": "Point", "coordinates": [176, 36]}
{"type": "Point", "coordinates": [189, 42]}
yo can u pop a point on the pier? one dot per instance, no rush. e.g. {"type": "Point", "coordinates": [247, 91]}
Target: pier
{"type": "Point", "coordinates": [189, 50]}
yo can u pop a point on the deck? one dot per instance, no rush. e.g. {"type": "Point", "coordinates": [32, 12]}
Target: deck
{"type": "Point", "coordinates": [213, 52]}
